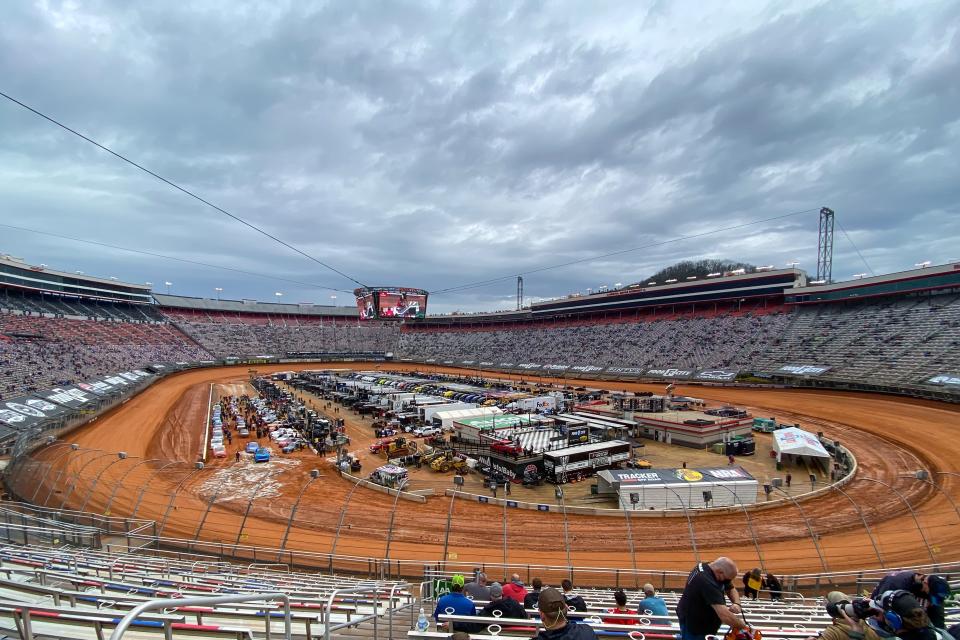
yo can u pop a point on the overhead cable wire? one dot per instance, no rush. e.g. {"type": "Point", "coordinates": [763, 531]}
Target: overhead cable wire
{"type": "Point", "coordinates": [166, 257]}
{"type": "Point", "coordinates": [852, 244]}
{"type": "Point", "coordinates": [659, 243]}
{"type": "Point", "coordinates": [181, 189]}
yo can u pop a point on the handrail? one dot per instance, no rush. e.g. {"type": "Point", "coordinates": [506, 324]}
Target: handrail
{"type": "Point", "coordinates": [353, 591]}
{"type": "Point", "coordinates": [165, 603]}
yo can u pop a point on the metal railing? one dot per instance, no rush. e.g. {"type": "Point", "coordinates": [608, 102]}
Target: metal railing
{"type": "Point", "coordinates": [172, 603]}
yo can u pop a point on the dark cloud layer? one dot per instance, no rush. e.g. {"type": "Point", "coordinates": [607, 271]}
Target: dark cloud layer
{"type": "Point", "coordinates": [434, 144]}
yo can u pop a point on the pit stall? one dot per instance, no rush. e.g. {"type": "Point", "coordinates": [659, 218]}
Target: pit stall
{"type": "Point", "coordinates": [659, 489]}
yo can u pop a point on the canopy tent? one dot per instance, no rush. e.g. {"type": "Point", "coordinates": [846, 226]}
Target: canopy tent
{"type": "Point", "coordinates": [446, 418]}
{"type": "Point", "coordinates": [797, 442]}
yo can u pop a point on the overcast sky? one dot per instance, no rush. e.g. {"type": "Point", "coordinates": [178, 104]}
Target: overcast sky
{"type": "Point", "coordinates": [438, 144]}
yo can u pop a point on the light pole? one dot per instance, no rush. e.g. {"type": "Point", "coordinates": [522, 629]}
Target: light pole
{"type": "Point", "coordinates": [143, 489]}
{"type": "Point", "coordinates": [923, 476]}
{"type": "Point", "coordinates": [746, 513]}
{"type": "Point", "coordinates": [314, 474]}
{"type": "Point", "coordinates": [343, 514]}
{"type": "Point", "coordinates": [168, 284]}
{"type": "Point", "coordinates": [198, 466]}
{"type": "Point", "coordinates": [913, 514]}
{"type": "Point", "coordinates": [121, 456]}
{"type": "Point", "coordinates": [53, 485]}
{"type": "Point", "coordinates": [558, 494]}
{"type": "Point", "coordinates": [457, 483]}
{"type": "Point", "coordinates": [50, 466]}
{"type": "Point", "coordinates": [686, 513]}
{"type": "Point", "coordinates": [119, 483]}
{"type": "Point", "coordinates": [866, 527]}
{"type": "Point", "coordinates": [79, 472]}
{"type": "Point", "coordinates": [806, 520]}
{"type": "Point", "coordinates": [246, 513]}
{"type": "Point", "coordinates": [393, 513]}
{"type": "Point", "coordinates": [634, 499]}
{"type": "Point", "coordinates": [219, 290]}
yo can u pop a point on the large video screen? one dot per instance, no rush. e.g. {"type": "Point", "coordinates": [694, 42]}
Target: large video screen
{"type": "Point", "coordinates": [402, 304]}
{"type": "Point", "coordinates": [366, 305]}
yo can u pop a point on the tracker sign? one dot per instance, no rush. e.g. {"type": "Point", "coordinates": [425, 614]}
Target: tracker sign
{"type": "Point", "coordinates": [802, 370]}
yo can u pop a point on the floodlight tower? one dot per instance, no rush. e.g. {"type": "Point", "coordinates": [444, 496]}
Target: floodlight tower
{"type": "Point", "coordinates": [825, 246]}
{"type": "Point", "coordinates": [519, 292]}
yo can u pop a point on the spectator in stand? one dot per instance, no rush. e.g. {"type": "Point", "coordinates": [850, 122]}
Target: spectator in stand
{"type": "Point", "coordinates": [515, 589]}
{"type": "Point", "coordinates": [651, 603]}
{"type": "Point", "coordinates": [478, 589]}
{"type": "Point", "coordinates": [573, 600]}
{"type": "Point", "coordinates": [460, 604]}
{"type": "Point", "coordinates": [931, 591]}
{"type": "Point", "coordinates": [752, 584]}
{"type": "Point", "coordinates": [553, 612]}
{"type": "Point", "coordinates": [508, 607]}
{"type": "Point", "coordinates": [533, 596]}
{"type": "Point", "coordinates": [621, 599]}
{"type": "Point", "coordinates": [843, 626]}
{"type": "Point", "coordinates": [702, 607]}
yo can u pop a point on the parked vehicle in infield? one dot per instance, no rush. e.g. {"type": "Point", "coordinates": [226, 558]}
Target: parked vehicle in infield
{"type": "Point", "coordinates": [243, 432]}
{"type": "Point", "coordinates": [423, 432]}
{"type": "Point", "coordinates": [219, 452]}
{"type": "Point", "coordinates": [261, 455]}
{"type": "Point", "coordinates": [252, 447]}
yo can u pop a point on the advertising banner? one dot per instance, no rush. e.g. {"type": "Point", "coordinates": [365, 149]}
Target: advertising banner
{"type": "Point", "coordinates": [802, 370]}
{"type": "Point", "coordinates": [70, 397]}
{"type": "Point", "coordinates": [528, 366]}
{"type": "Point", "coordinates": [556, 367]}
{"type": "Point", "coordinates": [671, 373]}
{"type": "Point", "coordinates": [27, 411]}
{"type": "Point", "coordinates": [96, 387]}
{"type": "Point", "coordinates": [717, 375]}
{"type": "Point", "coordinates": [626, 371]}
{"type": "Point", "coordinates": [586, 368]}
{"type": "Point", "coordinates": [946, 380]}
{"type": "Point", "coordinates": [637, 477]}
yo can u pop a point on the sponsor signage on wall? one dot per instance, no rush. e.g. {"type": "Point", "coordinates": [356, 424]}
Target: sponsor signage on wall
{"type": "Point", "coordinates": [27, 411]}
{"type": "Point", "coordinates": [630, 477]}
{"type": "Point", "coordinates": [945, 380]}
{"type": "Point", "coordinates": [670, 372]}
{"type": "Point", "coordinates": [71, 397]}
{"type": "Point", "coordinates": [802, 370]}
{"type": "Point", "coordinates": [529, 366]}
{"type": "Point", "coordinates": [556, 367]}
{"type": "Point", "coordinates": [626, 371]}
{"type": "Point", "coordinates": [586, 368]}
{"type": "Point", "coordinates": [717, 375]}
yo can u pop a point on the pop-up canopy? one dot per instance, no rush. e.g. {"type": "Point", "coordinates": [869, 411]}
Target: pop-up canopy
{"type": "Point", "coordinates": [797, 442]}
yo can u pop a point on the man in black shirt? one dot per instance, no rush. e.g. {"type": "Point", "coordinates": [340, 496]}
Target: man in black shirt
{"type": "Point", "coordinates": [702, 607]}
{"type": "Point", "coordinates": [508, 607]}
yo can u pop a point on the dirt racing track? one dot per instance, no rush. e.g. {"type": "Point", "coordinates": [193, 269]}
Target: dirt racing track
{"type": "Point", "coordinates": [884, 517]}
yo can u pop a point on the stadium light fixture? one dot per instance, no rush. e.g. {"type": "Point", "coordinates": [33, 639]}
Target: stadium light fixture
{"type": "Point", "coordinates": [169, 284]}
{"type": "Point", "coordinates": [651, 284]}
{"type": "Point", "coordinates": [923, 265]}
{"type": "Point", "coordinates": [219, 290]}
{"type": "Point", "coordinates": [149, 284]}
{"type": "Point", "coordinates": [859, 276]}
{"type": "Point", "coordinates": [793, 264]}
{"type": "Point", "coordinates": [715, 274]}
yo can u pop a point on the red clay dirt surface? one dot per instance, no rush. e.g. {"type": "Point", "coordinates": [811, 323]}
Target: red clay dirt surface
{"type": "Point", "coordinates": [160, 429]}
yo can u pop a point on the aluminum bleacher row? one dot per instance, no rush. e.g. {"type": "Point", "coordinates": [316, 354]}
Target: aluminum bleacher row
{"type": "Point", "coordinates": [64, 592]}
{"type": "Point", "coordinates": [794, 618]}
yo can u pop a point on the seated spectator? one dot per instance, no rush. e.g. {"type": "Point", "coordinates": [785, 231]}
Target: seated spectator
{"type": "Point", "coordinates": [478, 589]}
{"type": "Point", "coordinates": [533, 597]}
{"type": "Point", "coordinates": [460, 604]}
{"type": "Point", "coordinates": [651, 602]}
{"type": "Point", "coordinates": [515, 589]}
{"type": "Point", "coordinates": [553, 612]}
{"type": "Point", "coordinates": [621, 599]}
{"type": "Point", "coordinates": [508, 607]}
{"type": "Point", "coordinates": [573, 601]}
{"type": "Point", "coordinates": [931, 590]}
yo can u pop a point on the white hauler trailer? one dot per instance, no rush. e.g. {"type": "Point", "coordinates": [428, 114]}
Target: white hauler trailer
{"type": "Point", "coordinates": [660, 489]}
{"type": "Point", "coordinates": [445, 419]}
{"type": "Point", "coordinates": [427, 413]}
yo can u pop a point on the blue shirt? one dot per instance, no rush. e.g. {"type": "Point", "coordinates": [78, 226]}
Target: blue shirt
{"type": "Point", "coordinates": [461, 605]}
{"type": "Point", "coordinates": [655, 605]}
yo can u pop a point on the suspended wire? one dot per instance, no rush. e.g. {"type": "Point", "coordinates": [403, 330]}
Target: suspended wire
{"type": "Point", "coordinates": [179, 188]}
{"type": "Point", "coordinates": [166, 257]}
{"type": "Point", "coordinates": [658, 243]}
{"type": "Point", "coordinates": [850, 240]}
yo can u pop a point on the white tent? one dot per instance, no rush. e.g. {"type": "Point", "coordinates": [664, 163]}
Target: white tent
{"type": "Point", "coordinates": [446, 418]}
{"type": "Point", "coordinates": [797, 442]}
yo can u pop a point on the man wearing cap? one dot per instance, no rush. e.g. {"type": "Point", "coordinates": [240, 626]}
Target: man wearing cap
{"type": "Point", "coordinates": [651, 603]}
{"type": "Point", "coordinates": [508, 607]}
{"type": "Point", "coordinates": [553, 613]}
{"type": "Point", "coordinates": [702, 607]}
{"type": "Point", "coordinates": [904, 616]}
{"type": "Point", "coordinates": [455, 603]}
{"type": "Point", "coordinates": [930, 589]}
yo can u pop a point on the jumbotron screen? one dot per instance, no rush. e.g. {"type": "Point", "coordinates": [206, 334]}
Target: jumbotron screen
{"type": "Point", "coordinates": [391, 303]}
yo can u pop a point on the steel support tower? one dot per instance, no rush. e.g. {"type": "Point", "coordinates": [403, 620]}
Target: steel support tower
{"type": "Point", "coordinates": [825, 246]}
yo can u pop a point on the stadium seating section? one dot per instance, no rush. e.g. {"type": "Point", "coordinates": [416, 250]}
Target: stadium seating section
{"type": "Point", "coordinates": [236, 334]}
{"type": "Point", "coordinates": [38, 352]}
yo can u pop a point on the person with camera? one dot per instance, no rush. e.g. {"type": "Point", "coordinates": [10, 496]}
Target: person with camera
{"type": "Point", "coordinates": [902, 615]}
{"type": "Point", "coordinates": [846, 622]}
{"type": "Point", "coordinates": [928, 589]}
{"type": "Point", "coordinates": [702, 607]}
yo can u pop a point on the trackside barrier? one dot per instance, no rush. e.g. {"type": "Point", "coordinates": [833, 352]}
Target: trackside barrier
{"type": "Point", "coordinates": [420, 496]}
{"type": "Point", "coordinates": [153, 605]}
